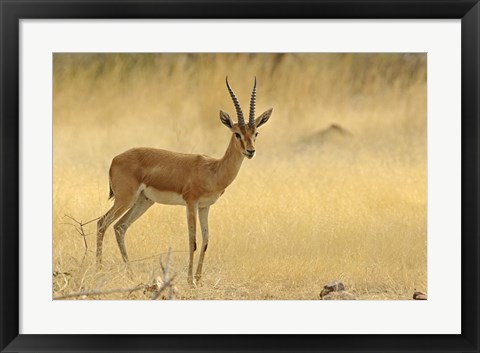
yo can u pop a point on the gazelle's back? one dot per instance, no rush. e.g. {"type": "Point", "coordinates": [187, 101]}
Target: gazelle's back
{"type": "Point", "coordinates": [157, 168]}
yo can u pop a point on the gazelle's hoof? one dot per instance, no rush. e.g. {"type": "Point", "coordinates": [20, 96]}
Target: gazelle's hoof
{"type": "Point", "coordinates": [198, 281]}
{"type": "Point", "coordinates": [190, 282]}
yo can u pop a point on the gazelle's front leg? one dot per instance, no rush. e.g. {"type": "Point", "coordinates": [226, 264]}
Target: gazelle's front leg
{"type": "Point", "coordinates": [192, 223]}
{"type": "Point", "coordinates": [203, 215]}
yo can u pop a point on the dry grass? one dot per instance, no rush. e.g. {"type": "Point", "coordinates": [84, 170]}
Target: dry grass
{"type": "Point", "coordinates": [309, 208]}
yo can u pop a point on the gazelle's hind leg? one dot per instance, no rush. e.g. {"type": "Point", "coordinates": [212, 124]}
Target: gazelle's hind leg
{"type": "Point", "coordinates": [138, 209]}
{"type": "Point", "coordinates": [124, 199]}
{"type": "Point", "coordinates": [102, 225]}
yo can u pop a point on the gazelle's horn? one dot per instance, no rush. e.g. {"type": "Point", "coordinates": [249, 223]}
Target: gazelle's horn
{"type": "Point", "coordinates": [241, 121]}
{"type": "Point", "coordinates": [251, 119]}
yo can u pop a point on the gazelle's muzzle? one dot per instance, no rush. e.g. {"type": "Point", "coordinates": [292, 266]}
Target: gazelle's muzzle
{"type": "Point", "coordinates": [249, 153]}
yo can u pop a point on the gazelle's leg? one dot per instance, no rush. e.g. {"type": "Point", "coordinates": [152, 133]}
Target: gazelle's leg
{"type": "Point", "coordinates": [138, 209]}
{"type": "Point", "coordinates": [203, 216]}
{"type": "Point", "coordinates": [126, 193]}
{"type": "Point", "coordinates": [102, 225]}
{"type": "Point", "coordinates": [192, 223]}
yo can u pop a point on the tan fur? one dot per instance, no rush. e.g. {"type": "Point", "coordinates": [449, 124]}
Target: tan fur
{"type": "Point", "coordinates": [192, 176]}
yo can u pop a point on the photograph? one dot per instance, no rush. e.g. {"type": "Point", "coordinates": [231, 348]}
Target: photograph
{"type": "Point", "coordinates": [239, 176]}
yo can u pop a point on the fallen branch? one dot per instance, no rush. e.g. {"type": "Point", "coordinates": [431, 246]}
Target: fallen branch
{"type": "Point", "coordinates": [89, 293]}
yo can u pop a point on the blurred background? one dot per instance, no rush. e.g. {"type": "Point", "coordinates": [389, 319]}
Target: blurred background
{"type": "Point", "coordinates": [337, 189]}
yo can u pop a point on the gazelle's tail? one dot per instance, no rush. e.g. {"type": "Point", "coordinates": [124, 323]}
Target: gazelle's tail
{"type": "Point", "coordinates": [111, 194]}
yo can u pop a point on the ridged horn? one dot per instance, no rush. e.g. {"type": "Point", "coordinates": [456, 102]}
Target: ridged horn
{"type": "Point", "coordinates": [241, 121]}
{"type": "Point", "coordinates": [251, 119]}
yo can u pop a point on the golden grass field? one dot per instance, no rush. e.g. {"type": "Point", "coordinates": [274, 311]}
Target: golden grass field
{"type": "Point", "coordinates": [316, 203]}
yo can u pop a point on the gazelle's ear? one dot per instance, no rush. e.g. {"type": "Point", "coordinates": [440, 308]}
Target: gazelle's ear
{"type": "Point", "coordinates": [262, 119]}
{"type": "Point", "coordinates": [225, 119]}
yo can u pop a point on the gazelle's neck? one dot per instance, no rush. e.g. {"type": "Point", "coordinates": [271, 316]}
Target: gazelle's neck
{"type": "Point", "coordinates": [229, 164]}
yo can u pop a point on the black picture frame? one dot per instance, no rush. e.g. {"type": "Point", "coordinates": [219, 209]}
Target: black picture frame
{"type": "Point", "coordinates": [12, 11]}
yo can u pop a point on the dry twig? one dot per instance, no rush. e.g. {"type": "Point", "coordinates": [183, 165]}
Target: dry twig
{"type": "Point", "coordinates": [166, 279]}
{"type": "Point", "coordinates": [89, 293]}
{"type": "Point", "coordinates": [79, 228]}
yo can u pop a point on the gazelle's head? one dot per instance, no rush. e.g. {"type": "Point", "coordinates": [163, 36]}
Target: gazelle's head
{"type": "Point", "coordinates": [245, 134]}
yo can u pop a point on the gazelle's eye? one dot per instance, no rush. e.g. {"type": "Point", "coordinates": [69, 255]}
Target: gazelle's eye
{"type": "Point", "coordinates": [237, 135]}
{"type": "Point", "coordinates": [256, 134]}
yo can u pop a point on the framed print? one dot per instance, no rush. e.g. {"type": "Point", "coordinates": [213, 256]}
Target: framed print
{"type": "Point", "coordinates": [326, 154]}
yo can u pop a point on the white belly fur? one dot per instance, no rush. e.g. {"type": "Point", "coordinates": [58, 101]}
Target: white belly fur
{"type": "Point", "coordinates": [164, 197]}
{"type": "Point", "coordinates": [172, 198]}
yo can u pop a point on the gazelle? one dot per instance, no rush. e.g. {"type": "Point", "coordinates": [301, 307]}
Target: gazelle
{"type": "Point", "coordinates": [140, 177]}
